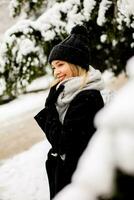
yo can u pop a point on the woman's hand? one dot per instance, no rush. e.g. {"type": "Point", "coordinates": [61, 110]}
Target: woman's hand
{"type": "Point", "coordinates": [53, 95]}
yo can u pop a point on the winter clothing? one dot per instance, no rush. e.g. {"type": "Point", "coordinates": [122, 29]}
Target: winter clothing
{"type": "Point", "coordinates": [68, 124]}
{"type": "Point", "coordinates": [73, 87]}
{"type": "Point", "coordinates": [74, 49]}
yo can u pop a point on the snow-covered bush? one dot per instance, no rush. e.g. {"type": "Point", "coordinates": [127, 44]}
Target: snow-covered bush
{"type": "Point", "coordinates": [29, 7]}
{"type": "Point", "coordinates": [22, 57]}
{"type": "Point", "coordinates": [111, 38]}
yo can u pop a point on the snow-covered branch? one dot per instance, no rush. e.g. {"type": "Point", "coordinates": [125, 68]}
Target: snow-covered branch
{"type": "Point", "coordinates": [29, 7]}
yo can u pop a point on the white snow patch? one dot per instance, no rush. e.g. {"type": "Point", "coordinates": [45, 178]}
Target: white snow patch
{"type": "Point", "coordinates": [24, 176]}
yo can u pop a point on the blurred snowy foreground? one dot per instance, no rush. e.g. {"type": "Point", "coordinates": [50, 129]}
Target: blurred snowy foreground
{"type": "Point", "coordinates": [111, 148]}
{"type": "Point", "coordinates": [23, 177]}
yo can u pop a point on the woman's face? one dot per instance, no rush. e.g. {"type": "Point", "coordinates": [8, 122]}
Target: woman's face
{"type": "Point", "coordinates": [62, 70]}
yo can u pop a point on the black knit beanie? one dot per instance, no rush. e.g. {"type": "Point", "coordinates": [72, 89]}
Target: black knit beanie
{"type": "Point", "coordinates": [74, 49]}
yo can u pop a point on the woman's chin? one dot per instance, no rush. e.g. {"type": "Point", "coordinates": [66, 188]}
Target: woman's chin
{"type": "Point", "coordinates": [62, 78]}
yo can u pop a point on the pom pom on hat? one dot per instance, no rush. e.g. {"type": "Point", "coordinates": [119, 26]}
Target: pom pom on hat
{"type": "Point", "coordinates": [79, 29]}
{"type": "Point", "coordinates": [74, 49]}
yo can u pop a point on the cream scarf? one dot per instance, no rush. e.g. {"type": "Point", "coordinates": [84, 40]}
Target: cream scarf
{"type": "Point", "coordinates": [73, 87]}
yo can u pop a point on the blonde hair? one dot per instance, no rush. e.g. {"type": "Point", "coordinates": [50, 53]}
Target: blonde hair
{"type": "Point", "coordinates": [77, 71]}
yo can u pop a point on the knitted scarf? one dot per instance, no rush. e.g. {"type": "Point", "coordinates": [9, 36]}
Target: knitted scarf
{"type": "Point", "coordinates": [73, 86]}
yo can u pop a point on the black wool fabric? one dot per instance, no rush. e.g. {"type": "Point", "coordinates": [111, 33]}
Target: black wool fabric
{"type": "Point", "coordinates": [74, 49]}
{"type": "Point", "coordinates": [70, 138]}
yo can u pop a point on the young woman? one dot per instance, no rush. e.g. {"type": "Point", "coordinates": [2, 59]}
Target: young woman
{"type": "Point", "coordinates": [70, 108]}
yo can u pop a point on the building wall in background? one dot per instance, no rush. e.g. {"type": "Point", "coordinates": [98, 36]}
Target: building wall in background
{"type": "Point", "coordinates": [5, 20]}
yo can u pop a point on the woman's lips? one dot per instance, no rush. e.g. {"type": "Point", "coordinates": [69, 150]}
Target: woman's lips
{"type": "Point", "coordinates": [61, 77]}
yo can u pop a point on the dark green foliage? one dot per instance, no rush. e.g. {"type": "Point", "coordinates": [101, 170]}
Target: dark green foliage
{"type": "Point", "coordinates": [30, 7]}
{"type": "Point", "coordinates": [107, 54]}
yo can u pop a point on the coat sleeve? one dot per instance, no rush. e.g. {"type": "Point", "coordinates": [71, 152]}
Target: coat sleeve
{"type": "Point", "coordinates": [48, 120]}
{"type": "Point", "coordinates": [78, 124]}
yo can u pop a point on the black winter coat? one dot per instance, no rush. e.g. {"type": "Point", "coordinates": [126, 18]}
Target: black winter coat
{"type": "Point", "coordinates": [69, 139]}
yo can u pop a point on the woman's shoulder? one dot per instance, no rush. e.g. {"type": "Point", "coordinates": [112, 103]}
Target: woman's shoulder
{"type": "Point", "coordinates": [84, 101]}
{"type": "Point", "coordinates": [87, 98]}
{"type": "Point", "coordinates": [88, 94]}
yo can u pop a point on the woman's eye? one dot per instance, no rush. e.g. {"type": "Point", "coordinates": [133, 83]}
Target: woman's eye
{"type": "Point", "coordinates": [60, 65]}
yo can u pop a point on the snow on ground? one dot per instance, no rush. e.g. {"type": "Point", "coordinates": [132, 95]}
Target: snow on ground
{"type": "Point", "coordinates": [25, 103]}
{"type": "Point", "coordinates": [23, 177]}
